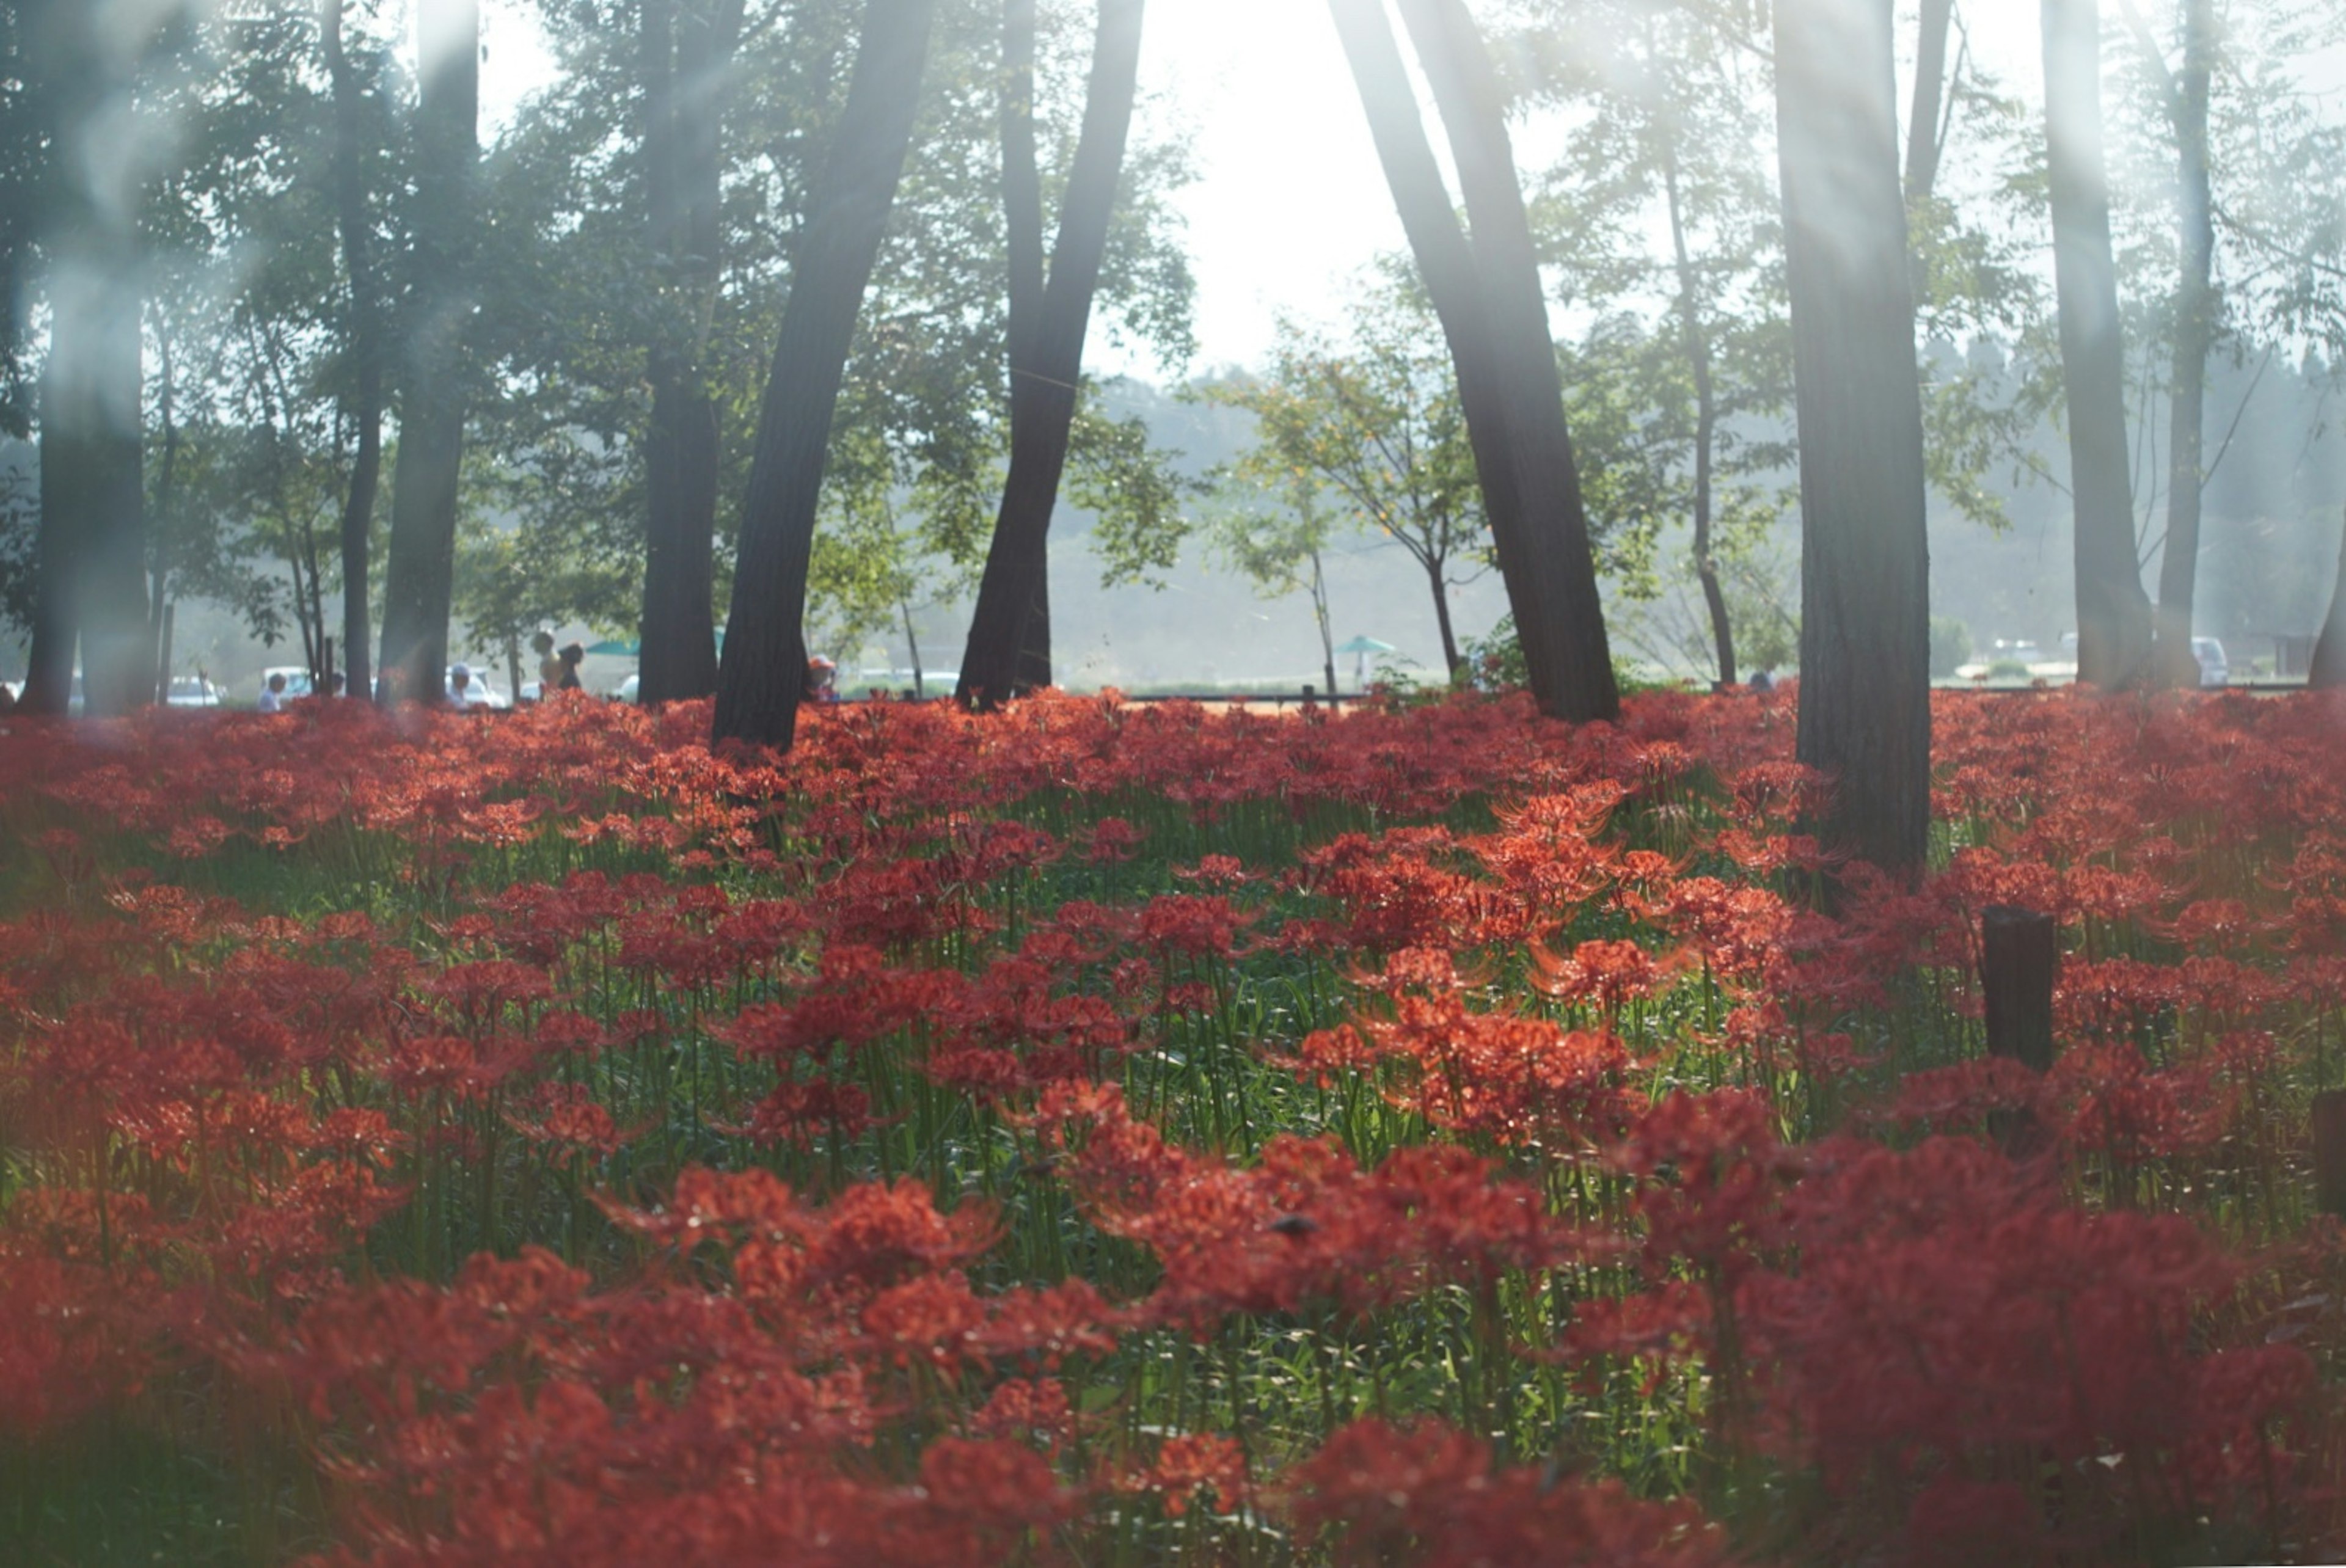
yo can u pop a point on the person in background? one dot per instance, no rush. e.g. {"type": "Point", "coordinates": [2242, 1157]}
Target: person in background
{"type": "Point", "coordinates": [821, 680]}
{"type": "Point", "coordinates": [566, 669]}
{"type": "Point", "coordinates": [460, 686]}
{"type": "Point", "coordinates": [549, 668]}
{"type": "Point", "coordinates": [272, 695]}
{"type": "Point", "coordinates": [1762, 681]}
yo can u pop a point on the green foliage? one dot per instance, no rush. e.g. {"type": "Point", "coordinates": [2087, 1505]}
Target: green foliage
{"type": "Point", "coordinates": [1372, 422]}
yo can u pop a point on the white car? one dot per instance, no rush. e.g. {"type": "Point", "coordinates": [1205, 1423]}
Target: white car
{"type": "Point", "coordinates": [297, 679]}
{"type": "Point", "coordinates": [192, 691]}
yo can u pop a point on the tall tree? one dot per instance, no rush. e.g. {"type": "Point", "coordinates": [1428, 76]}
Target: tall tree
{"type": "Point", "coordinates": [2114, 620]}
{"type": "Point", "coordinates": [1017, 563]}
{"type": "Point", "coordinates": [1926, 136]}
{"type": "Point", "coordinates": [2328, 670]}
{"type": "Point", "coordinates": [1526, 516]}
{"type": "Point", "coordinates": [1022, 214]}
{"type": "Point", "coordinates": [2186, 94]}
{"type": "Point", "coordinates": [1467, 92]}
{"type": "Point", "coordinates": [1865, 637]}
{"type": "Point", "coordinates": [92, 552]}
{"type": "Point", "coordinates": [366, 337]}
{"type": "Point", "coordinates": [419, 577]}
{"type": "Point", "coordinates": [685, 51]}
{"type": "Point", "coordinates": [763, 671]}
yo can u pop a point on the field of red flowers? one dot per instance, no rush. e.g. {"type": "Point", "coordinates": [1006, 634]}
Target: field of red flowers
{"type": "Point", "coordinates": [1101, 1135]}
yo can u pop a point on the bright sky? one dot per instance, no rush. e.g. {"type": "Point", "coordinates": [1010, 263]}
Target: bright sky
{"type": "Point", "coordinates": [1290, 202]}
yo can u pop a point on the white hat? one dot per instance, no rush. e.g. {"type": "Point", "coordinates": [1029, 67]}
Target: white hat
{"type": "Point", "coordinates": [460, 671]}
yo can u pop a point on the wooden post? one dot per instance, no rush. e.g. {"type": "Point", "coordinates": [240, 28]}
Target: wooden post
{"type": "Point", "coordinates": [2330, 1151]}
{"type": "Point", "coordinates": [2019, 950]}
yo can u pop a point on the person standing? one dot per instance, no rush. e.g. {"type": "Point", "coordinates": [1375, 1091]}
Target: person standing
{"type": "Point", "coordinates": [460, 686]}
{"type": "Point", "coordinates": [565, 668]}
{"type": "Point", "coordinates": [272, 695]}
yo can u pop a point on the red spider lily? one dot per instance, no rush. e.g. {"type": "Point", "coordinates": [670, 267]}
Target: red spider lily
{"type": "Point", "coordinates": [1428, 1494]}
{"type": "Point", "coordinates": [1194, 1462]}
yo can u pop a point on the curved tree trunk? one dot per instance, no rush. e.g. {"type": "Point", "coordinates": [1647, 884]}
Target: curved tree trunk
{"type": "Point", "coordinates": [2194, 326]}
{"type": "Point", "coordinates": [1016, 585]}
{"type": "Point", "coordinates": [2114, 624]}
{"type": "Point", "coordinates": [419, 575]}
{"type": "Point", "coordinates": [1445, 264]}
{"type": "Point", "coordinates": [763, 671]}
{"type": "Point", "coordinates": [366, 346]}
{"type": "Point", "coordinates": [1865, 637]}
{"type": "Point", "coordinates": [1474, 113]}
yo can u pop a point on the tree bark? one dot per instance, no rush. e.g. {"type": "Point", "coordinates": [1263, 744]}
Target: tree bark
{"type": "Point", "coordinates": [92, 547]}
{"type": "Point", "coordinates": [1865, 639]}
{"type": "Point", "coordinates": [1705, 417]}
{"type": "Point", "coordinates": [2113, 622]}
{"type": "Point", "coordinates": [1445, 264]}
{"type": "Point", "coordinates": [1556, 523]}
{"type": "Point", "coordinates": [2327, 668]}
{"type": "Point", "coordinates": [367, 349]}
{"type": "Point", "coordinates": [1022, 210]}
{"type": "Point", "coordinates": [1923, 145]}
{"type": "Point", "coordinates": [2194, 326]}
{"type": "Point", "coordinates": [763, 671]}
{"type": "Point", "coordinates": [419, 576]}
{"type": "Point", "coordinates": [686, 53]}
{"type": "Point", "coordinates": [1015, 587]}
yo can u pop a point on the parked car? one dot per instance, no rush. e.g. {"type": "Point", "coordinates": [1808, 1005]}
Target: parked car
{"type": "Point", "coordinates": [192, 691]}
{"type": "Point", "coordinates": [2215, 669]}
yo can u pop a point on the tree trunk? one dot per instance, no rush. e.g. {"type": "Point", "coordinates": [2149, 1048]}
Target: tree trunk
{"type": "Point", "coordinates": [1022, 210]}
{"type": "Point", "coordinates": [1923, 143]}
{"type": "Point", "coordinates": [1705, 417]}
{"type": "Point", "coordinates": [1016, 585]}
{"type": "Point", "coordinates": [2114, 624]}
{"type": "Point", "coordinates": [92, 548]}
{"type": "Point", "coordinates": [763, 671]}
{"type": "Point", "coordinates": [685, 56]}
{"type": "Point", "coordinates": [367, 348]}
{"type": "Point", "coordinates": [2194, 326]}
{"type": "Point", "coordinates": [1446, 266]}
{"type": "Point", "coordinates": [2328, 669]}
{"type": "Point", "coordinates": [419, 577]}
{"type": "Point", "coordinates": [1555, 523]}
{"type": "Point", "coordinates": [1450, 657]}
{"type": "Point", "coordinates": [1865, 635]}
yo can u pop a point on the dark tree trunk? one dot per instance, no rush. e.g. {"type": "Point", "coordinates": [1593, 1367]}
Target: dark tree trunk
{"type": "Point", "coordinates": [1014, 589]}
{"type": "Point", "coordinates": [367, 349]}
{"type": "Point", "coordinates": [1021, 209]}
{"type": "Point", "coordinates": [2328, 669]}
{"type": "Point", "coordinates": [1706, 418]}
{"type": "Point", "coordinates": [419, 577]}
{"type": "Point", "coordinates": [92, 547]}
{"type": "Point", "coordinates": [763, 671]}
{"type": "Point", "coordinates": [1447, 265]}
{"type": "Point", "coordinates": [2114, 626]}
{"type": "Point", "coordinates": [1555, 523]}
{"type": "Point", "coordinates": [686, 53]}
{"type": "Point", "coordinates": [1451, 660]}
{"type": "Point", "coordinates": [1865, 637]}
{"type": "Point", "coordinates": [1924, 142]}
{"type": "Point", "coordinates": [2194, 326]}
